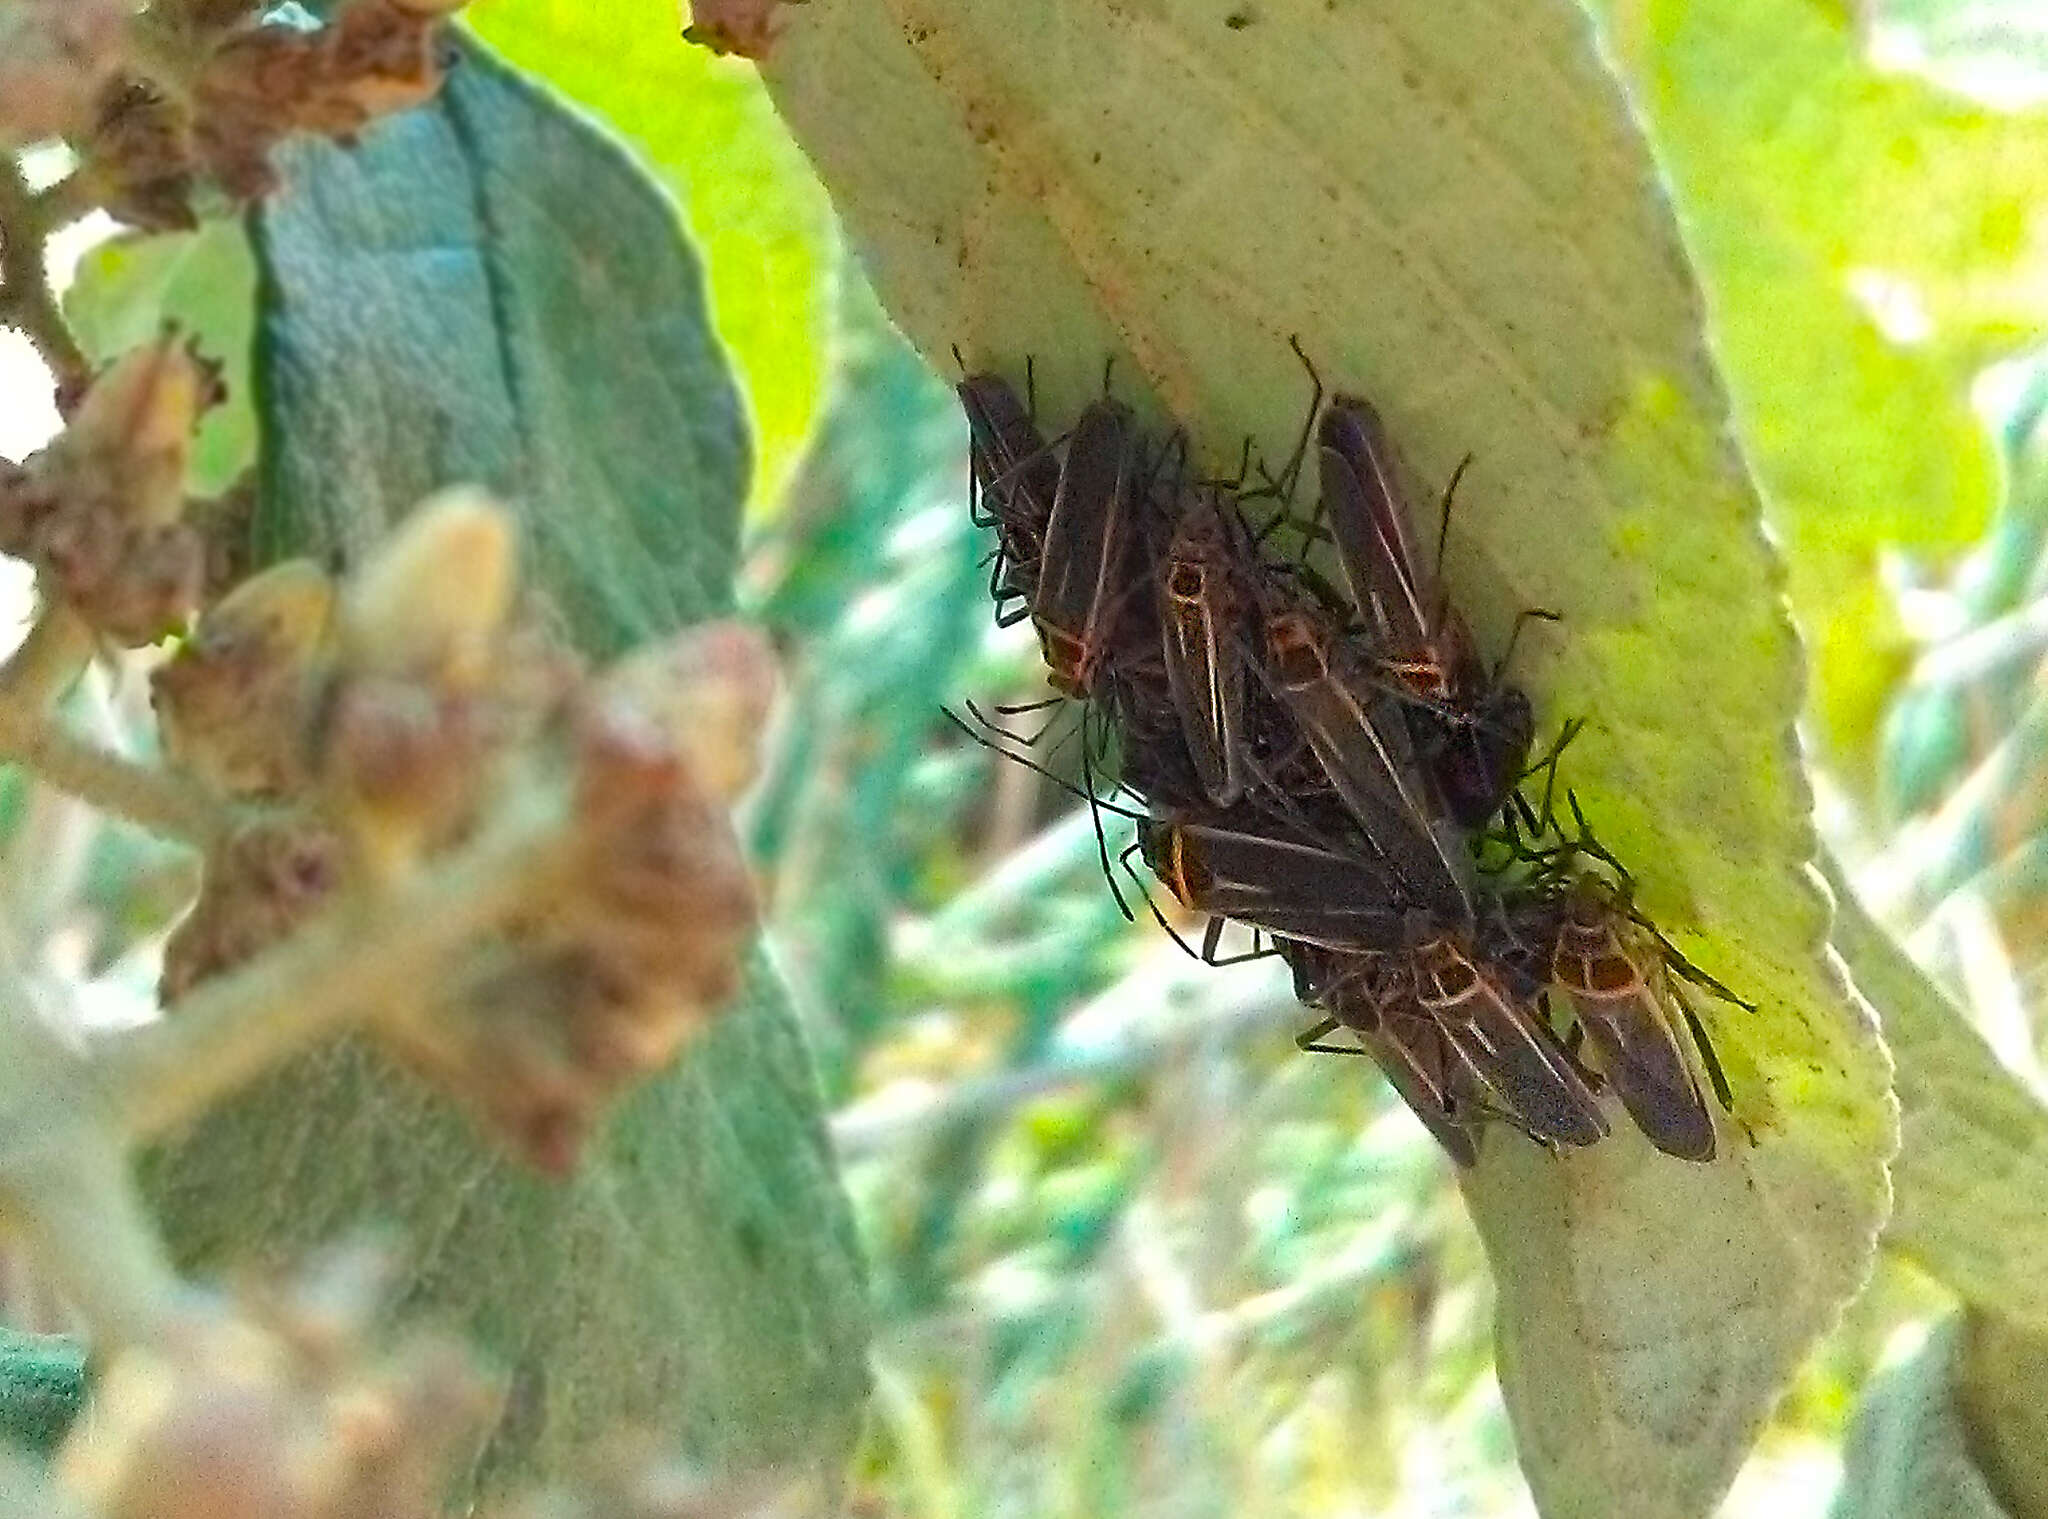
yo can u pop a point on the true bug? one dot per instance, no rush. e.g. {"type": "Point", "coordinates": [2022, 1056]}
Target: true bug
{"type": "Point", "coordinates": [1360, 744]}
{"type": "Point", "coordinates": [1014, 474]}
{"type": "Point", "coordinates": [1409, 1050]}
{"type": "Point", "coordinates": [1505, 1037]}
{"type": "Point", "coordinates": [1619, 975]}
{"type": "Point", "coordinates": [1283, 887]}
{"type": "Point", "coordinates": [1202, 601]}
{"type": "Point", "coordinates": [1621, 993]}
{"type": "Point", "coordinates": [1473, 730]}
{"type": "Point", "coordinates": [1082, 583]}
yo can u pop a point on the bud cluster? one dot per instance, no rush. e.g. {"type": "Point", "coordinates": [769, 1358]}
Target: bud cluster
{"type": "Point", "coordinates": [383, 720]}
{"type": "Point", "coordinates": [99, 512]}
{"type": "Point", "coordinates": [291, 1401]}
{"type": "Point", "coordinates": [248, 84]}
{"type": "Point", "coordinates": [285, 1409]}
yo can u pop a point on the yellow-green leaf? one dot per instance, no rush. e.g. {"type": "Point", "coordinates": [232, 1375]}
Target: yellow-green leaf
{"type": "Point", "coordinates": [1455, 212]}
{"type": "Point", "coordinates": [1868, 242]}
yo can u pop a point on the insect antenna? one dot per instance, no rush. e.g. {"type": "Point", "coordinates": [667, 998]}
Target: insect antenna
{"type": "Point", "coordinates": [1290, 477]}
{"type": "Point", "coordinates": [1443, 540]}
{"type": "Point", "coordinates": [1033, 741]}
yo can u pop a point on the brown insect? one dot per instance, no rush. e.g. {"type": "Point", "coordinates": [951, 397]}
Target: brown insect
{"type": "Point", "coordinates": [1372, 995]}
{"type": "Point", "coordinates": [1473, 731]}
{"type": "Point", "coordinates": [1289, 889]}
{"type": "Point", "coordinates": [1015, 477]}
{"type": "Point", "coordinates": [1361, 745]}
{"type": "Point", "coordinates": [1082, 576]}
{"type": "Point", "coordinates": [1202, 602]}
{"type": "Point", "coordinates": [1505, 1037]}
{"type": "Point", "coordinates": [1621, 988]}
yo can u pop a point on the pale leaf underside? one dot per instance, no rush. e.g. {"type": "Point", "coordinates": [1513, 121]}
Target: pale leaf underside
{"type": "Point", "coordinates": [1452, 207]}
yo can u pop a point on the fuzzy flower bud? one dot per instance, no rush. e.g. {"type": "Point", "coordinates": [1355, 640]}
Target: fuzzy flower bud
{"type": "Point", "coordinates": [409, 718]}
{"type": "Point", "coordinates": [98, 511]}
{"type": "Point", "coordinates": [232, 703]}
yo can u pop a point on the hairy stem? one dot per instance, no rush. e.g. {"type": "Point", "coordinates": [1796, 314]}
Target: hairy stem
{"type": "Point", "coordinates": [26, 300]}
{"type": "Point", "coordinates": [145, 795]}
{"type": "Point", "coordinates": [358, 955]}
{"type": "Point", "coordinates": [48, 661]}
{"type": "Point", "coordinates": [51, 657]}
{"type": "Point", "coordinates": [64, 1180]}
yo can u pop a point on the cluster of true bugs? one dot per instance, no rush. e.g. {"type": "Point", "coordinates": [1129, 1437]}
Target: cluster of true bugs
{"type": "Point", "coordinates": [1333, 767]}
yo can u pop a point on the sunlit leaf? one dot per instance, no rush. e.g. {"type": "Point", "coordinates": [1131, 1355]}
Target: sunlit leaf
{"type": "Point", "coordinates": [488, 290]}
{"type": "Point", "coordinates": [1971, 1178]}
{"type": "Point", "coordinates": [756, 214]}
{"type": "Point", "coordinates": [1868, 242]}
{"type": "Point", "coordinates": [1460, 221]}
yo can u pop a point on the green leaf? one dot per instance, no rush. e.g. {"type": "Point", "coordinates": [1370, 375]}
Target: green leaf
{"type": "Point", "coordinates": [756, 213]}
{"type": "Point", "coordinates": [1459, 219]}
{"type": "Point", "coordinates": [1971, 1180]}
{"type": "Point", "coordinates": [205, 281]}
{"type": "Point", "coordinates": [487, 289]}
{"type": "Point", "coordinates": [1810, 185]}
{"type": "Point", "coordinates": [42, 1387]}
{"type": "Point", "coordinates": [1908, 1453]}
{"type": "Point", "coordinates": [548, 338]}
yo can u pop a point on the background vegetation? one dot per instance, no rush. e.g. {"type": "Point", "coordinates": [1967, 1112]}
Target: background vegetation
{"type": "Point", "coordinates": [1127, 1252]}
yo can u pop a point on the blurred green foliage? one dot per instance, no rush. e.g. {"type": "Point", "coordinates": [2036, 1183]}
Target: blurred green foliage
{"type": "Point", "coordinates": [758, 219]}
{"type": "Point", "coordinates": [1868, 242]}
{"type": "Point", "coordinates": [1129, 1251]}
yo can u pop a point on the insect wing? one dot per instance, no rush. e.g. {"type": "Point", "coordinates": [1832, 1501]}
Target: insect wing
{"type": "Point", "coordinates": [1359, 742]}
{"type": "Point", "coordinates": [1383, 595]}
{"type": "Point", "coordinates": [1632, 1037]}
{"type": "Point", "coordinates": [1086, 542]}
{"type": "Point", "coordinates": [1362, 503]}
{"type": "Point", "coordinates": [1009, 456]}
{"type": "Point", "coordinates": [1294, 891]}
{"type": "Point", "coordinates": [1205, 666]}
{"type": "Point", "coordinates": [1422, 1068]}
{"type": "Point", "coordinates": [1510, 1046]}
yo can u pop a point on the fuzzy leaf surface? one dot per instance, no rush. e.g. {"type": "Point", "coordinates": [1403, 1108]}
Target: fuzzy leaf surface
{"type": "Point", "coordinates": [756, 214]}
{"type": "Point", "coordinates": [1455, 212]}
{"type": "Point", "coordinates": [488, 290]}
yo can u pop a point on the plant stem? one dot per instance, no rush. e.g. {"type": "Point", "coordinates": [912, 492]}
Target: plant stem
{"type": "Point", "coordinates": [144, 795]}
{"type": "Point", "coordinates": [50, 658]}
{"type": "Point", "coordinates": [64, 1179]}
{"type": "Point", "coordinates": [356, 956]}
{"type": "Point", "coordinates": [65, 202]}
{"type": "Point", "coordinates": [45, 665]}
{"type": "Point", "coordinates": [26, 300]}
